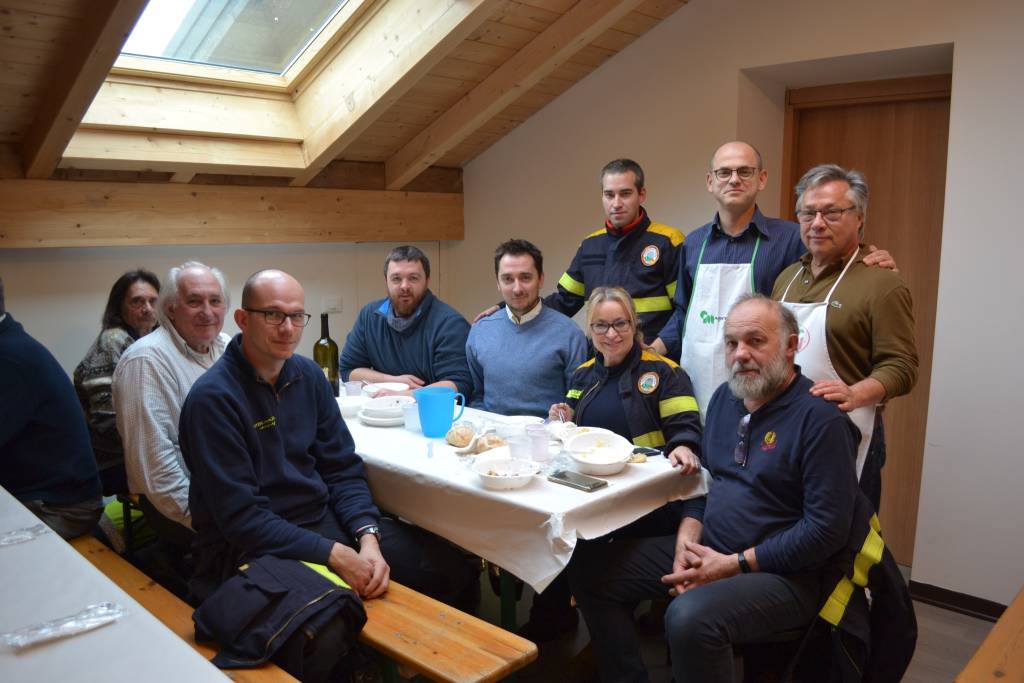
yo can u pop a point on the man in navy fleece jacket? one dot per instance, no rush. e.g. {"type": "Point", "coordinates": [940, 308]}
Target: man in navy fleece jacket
{"type": "Point", "coordinates": [411, 336]}
{"type": "Point", "coordinates": [780, 508]}
{"type": "Point", "coordinates": [274, 469]}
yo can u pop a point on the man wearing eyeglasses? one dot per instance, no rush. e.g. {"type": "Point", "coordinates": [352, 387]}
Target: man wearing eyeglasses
{"type": "Point", "coordinates": [738, 252]}
{"type": "Point", "coordinates": [857, 323]}
{"type": "Point", "coordinates": [275, 472]}
{"type": "Point", "coordinates": [150, 384]}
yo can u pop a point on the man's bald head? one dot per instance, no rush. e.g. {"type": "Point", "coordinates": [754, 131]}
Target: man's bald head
{"type": "Point", "coordinates": [734, 147]}
{"type": "Point", "coordinates": [263, 279]}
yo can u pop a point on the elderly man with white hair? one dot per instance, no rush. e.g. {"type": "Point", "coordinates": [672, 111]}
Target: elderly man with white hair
{"type": "Point", "coordinates": [151, 382]}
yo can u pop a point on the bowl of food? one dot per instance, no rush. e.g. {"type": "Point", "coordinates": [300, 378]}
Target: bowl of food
{"type": "Point", "coordinates": [600, 453]}
{"type": "Point", "coordinates": [499, 472]}
{"type": "Point", "coordinates": [350, 405]}
{"type": "Point", "coordinates": [371, 390]}
{"type": "Point", "coordinates": [386, 406]}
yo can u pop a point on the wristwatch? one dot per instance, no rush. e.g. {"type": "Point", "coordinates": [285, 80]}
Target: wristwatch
{"type": "Point", "coordinates": [368, 529]}
{"type": "Point", "coordinates": [744, 565]}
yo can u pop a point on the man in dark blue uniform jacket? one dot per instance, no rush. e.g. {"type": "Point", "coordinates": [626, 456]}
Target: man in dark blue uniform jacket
{"type": "Point", "coordinates": [780, 508]}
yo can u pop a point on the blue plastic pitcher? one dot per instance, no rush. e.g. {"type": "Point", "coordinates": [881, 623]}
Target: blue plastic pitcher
{"type": "Point", "coordinates": [436, 407]}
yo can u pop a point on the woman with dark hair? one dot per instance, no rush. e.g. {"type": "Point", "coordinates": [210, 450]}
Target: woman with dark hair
{"type": "Point", "coordinates": [130, 314]}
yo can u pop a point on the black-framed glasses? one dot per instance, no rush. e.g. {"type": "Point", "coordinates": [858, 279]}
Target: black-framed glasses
{"type": "Point", "coordinates": [744, 172]}
{"type": "Point", "coordinates": [277, 317]}
{"type": "Point", "coordinates": [620, 326]}
{"type": "Point", "coordinates": [831, 215]}
{"type": "Point", "coordinates": [739, 455]}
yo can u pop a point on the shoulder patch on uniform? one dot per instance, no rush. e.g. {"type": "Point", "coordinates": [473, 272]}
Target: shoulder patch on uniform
{"type": "Point", "coordinates": [650, 255]}
{"type": "Point", "coordinates": [673, 235]}
{"type": "Point", "coordinates": [648, 382]}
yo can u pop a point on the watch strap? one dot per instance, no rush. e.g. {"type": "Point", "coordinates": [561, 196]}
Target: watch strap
{"type": "Point", "coordinates": [744, 565]}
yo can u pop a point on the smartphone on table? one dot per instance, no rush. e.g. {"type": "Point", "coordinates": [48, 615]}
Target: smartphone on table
{"type": "Point", "coordinates": [576, 480]}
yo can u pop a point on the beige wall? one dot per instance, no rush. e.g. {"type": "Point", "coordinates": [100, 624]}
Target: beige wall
{"type": "Point", "coordinates": [716, 70]}
{"type": "Point", "coordinates": [709, 73]}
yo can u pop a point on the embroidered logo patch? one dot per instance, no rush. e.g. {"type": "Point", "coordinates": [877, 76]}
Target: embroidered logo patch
{"type": "Point", "coordinates": [266, 423]}
{"type": "Point", "coordinates": [768, 443]}
{"type": "Point", "coordinates": [648, 382]}
{"type": "Point", "coordinates": [650, 255]}
{"type": "Point", "coordinates": [803, 340]}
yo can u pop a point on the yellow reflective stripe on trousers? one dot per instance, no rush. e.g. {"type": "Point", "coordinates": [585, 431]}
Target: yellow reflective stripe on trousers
{"type": "Point", "coordinates": [574, 393]}
{"type": "Point", "coordinates": [653, 439]}
{"type": "Point", "coordinates": [571, 285]}
{"type": "Point", "coordinates": [648, 304]}
{"type": "Point", "coordinates": [870, 554]}
{"type": "Point", "coordinates": [671, 289]}
{"type": "Point", "coordinates": [676, 405]}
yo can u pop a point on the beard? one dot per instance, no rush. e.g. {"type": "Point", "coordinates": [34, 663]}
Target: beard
{"type": "Point", "coordinates": [770, 378]}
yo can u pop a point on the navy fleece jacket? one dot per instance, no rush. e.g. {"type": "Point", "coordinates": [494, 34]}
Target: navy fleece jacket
{"type": "Point", "coordinates": [267, 461]}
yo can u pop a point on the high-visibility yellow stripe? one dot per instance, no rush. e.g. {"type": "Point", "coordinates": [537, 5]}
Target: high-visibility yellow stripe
{"type": "Point", "coordinates": [588, 363]}
{"type": "Point", "coordinates": [571, 285]}
{"type": "Point", "coordinates": [673, 235]}
{"type": "Point", "coordinates": [647, 354]}
{"type": "Point", "coordinates": [676, 405]}
{"type": "Point", "coordinates": [647, 304]}
{"type": "Point", "coordinates": [574, 393]}
{"type": "Point", "coordinates": [671, 289]}
{"type": "Point", "coordinates": [653, 439]}
{"type": "Point", "coordinates": [869, 555]}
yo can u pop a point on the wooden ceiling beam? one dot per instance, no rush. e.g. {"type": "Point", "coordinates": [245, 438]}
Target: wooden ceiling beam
{"type": "Point", "coordinates": [566, 36]}
{"type": "Point", "coordinates": [52, 213]}
{"type": "Point", "coordinates": [86, 64]}
{"type": "Point", "coordinates": [133, 151]}
{"type": "Point", "coordinates": [388, 54]}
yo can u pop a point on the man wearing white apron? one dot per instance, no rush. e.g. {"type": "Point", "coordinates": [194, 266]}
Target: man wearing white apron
{"type": "Point", "coordinates": [856, 323]}
{"type": "Point", "coordinates": [740, 251]}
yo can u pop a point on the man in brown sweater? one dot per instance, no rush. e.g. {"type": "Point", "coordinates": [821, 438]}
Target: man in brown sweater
{"type": "Point", "coordinates": [856, 322]}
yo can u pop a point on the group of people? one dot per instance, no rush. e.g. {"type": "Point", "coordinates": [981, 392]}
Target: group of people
{"type": "Point", "coordinates": [757, 348]}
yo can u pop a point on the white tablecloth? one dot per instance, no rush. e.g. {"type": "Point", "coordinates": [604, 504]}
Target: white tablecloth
{"type": "Point", "coordinates": [45, 579]}
{"type": "Point", "coordinates": [531, 531]}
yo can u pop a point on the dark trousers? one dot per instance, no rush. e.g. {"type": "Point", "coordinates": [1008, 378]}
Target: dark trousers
{"type": "Point", "coordinates": [874, 460]}
{"type": "Point", "coordinates": [701, 626]}
{"type": "Point", "coordinates": [71, 520]}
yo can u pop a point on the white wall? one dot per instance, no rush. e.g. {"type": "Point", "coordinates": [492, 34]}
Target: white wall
{"type": "Point", "coordinates": [699, 78]}
{"type": "Point", "coordinates": [704, 76]}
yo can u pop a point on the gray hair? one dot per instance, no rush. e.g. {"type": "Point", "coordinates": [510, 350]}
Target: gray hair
{"type": "Point", "coordinates": [787, 321]}
{"type": "Point", "coordinates": [827, 173]}
{"type": "Point", "coordinates": [169, 293]}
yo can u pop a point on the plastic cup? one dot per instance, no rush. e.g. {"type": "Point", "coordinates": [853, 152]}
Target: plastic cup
{"type": "Point", "coordinates": [354, 388]}
{"type": "Point", "coordinates": [537, 435]}
{"type": "Point", "coordinates": [436, 408]}
{"type": "Point", "coordinates": [411, 413]}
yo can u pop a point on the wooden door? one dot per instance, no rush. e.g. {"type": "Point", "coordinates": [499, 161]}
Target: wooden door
{"type": "Point", "coordinates": [896, 133]}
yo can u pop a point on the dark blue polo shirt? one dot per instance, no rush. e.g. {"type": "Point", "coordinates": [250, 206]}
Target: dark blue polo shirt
{"type": "Point", "coordinates": [780, 246]}
{"type": "Point", "coordinates": [793, 499]}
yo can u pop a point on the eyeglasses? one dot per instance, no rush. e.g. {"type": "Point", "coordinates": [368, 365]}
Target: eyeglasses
{"type": "Point", "coordinates": [277, 317]}
{"type": "Point", "coordinates": [744, 172]}
{"type": "Point", "coordinates": [620, 326]}
{"type": "Point", "coordinates": [739, 455]}
{"type": "Point", "coordinates": [830, 215]}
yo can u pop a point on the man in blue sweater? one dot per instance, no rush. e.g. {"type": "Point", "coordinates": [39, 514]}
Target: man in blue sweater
{"type": "Point", "coordinates": [46, 458]}
{"type": "Point", "coordinates": [275, 472]}
{"type": "Point", "coordinates": [780, 509]}
{"type": "Point", "coordinates": [410, 337]}
{"type": "Point", "coordinates": [522, 357]}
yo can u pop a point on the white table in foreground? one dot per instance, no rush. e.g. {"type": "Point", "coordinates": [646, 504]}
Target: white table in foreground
{"type": "Point", "coordinates": [531, 531]}
{"type": "Point", "coordinates": [45, 579]}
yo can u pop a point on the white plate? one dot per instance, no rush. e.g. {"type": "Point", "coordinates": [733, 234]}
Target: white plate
{"type": "Point", "coordinates": [381, 421]}
{"type": "Point", "coordinates": [371, 389]}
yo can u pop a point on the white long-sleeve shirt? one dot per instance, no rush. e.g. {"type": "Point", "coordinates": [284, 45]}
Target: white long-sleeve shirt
{"type": "Point", "coordinates": [151, 382]}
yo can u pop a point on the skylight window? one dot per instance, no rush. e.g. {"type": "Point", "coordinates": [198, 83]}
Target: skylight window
{"type": "Point", "coordinates": [256, 35]}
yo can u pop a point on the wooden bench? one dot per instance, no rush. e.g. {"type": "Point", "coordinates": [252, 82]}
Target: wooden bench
{"type": "Point", "coordinates": [420, 634]}
{"type": "Point", "coordinates": [1001, 655]}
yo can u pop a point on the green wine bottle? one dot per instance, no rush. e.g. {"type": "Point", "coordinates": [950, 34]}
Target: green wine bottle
{"type": "Point", "coordinates": [325, 353]}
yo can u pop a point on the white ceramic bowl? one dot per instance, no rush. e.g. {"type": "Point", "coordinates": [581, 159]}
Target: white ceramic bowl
{"type": "Point", "coordinates": [370, 390]}
{"type": "Point", "coordinates": [386, 406]}
{"type": "Point", "coordinates": [502, 473]}
{"type": "Point", "coordinates": [601, 453]}
{"type": "Point", "coordinates": [350, 405]}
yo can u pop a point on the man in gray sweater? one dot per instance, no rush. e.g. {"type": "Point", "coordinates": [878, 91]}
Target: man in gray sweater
{"type": "Point", "coordinates": [522, 356]}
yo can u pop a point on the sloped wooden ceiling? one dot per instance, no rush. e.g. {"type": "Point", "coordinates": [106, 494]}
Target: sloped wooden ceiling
{"type": "Point", "coordinates": [404, 90]}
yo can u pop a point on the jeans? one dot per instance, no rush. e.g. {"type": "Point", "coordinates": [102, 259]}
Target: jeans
{"type": "Point", "coordinates": [701, 626]}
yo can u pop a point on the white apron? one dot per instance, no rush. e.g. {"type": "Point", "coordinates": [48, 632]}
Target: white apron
{"type": "Point", "coordinates": [716, 286]}
{"type": "Point", "coordinates": [813, 359]}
